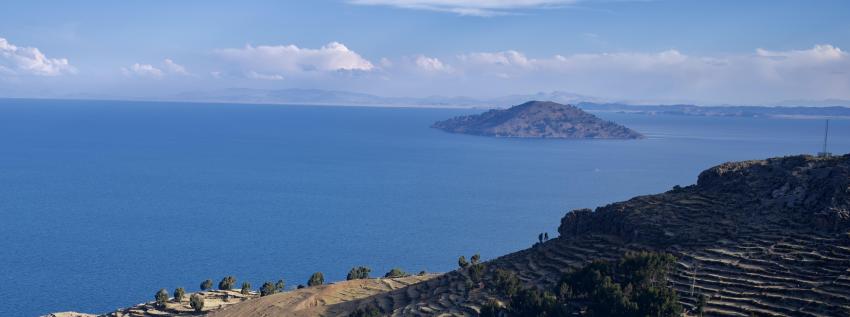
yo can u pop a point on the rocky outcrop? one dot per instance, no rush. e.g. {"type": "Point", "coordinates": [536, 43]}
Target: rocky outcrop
{"type": "Point", "coordinates": [538, 119]}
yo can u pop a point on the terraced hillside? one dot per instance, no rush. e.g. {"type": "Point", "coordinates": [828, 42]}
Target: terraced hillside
{"type": "Point", "coordinates": [767, 238]}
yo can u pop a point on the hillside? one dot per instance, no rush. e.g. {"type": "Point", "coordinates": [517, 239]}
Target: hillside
{"type": "Point", "coordinates": [538, 119]}
{"type": "Point", "coordinates": [766, 237]}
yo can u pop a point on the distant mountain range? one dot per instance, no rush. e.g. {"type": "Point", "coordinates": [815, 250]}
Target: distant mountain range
{"type": "Point", "coordinates": [791, 108]}
{"type": "Point", "coordinates": [333, 97]}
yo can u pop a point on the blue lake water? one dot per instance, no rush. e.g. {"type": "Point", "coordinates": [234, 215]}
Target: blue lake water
{"type": "Point", "coordinates": [102, 203]}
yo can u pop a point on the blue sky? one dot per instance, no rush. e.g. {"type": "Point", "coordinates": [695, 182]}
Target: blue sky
{"type": "Point", "coordinates": [665, 51]}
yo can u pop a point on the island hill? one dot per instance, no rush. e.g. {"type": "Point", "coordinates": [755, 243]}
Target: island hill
{"type": "Point", "coordinates": [754, 238]}
{"type": "Point", "coordinates": [538, 119]}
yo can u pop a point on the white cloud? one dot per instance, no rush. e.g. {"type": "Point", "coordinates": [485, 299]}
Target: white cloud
{"type": "Point", "coordinates": [142, 70]}
{"type": "Point", "coordinates": [431, 64]}
{"type": "Point", "coordinates": [174, 68]}
{"type": "Point", "coordinates": [291, 59]}
{"type": "Point", "coordinates": [17, 60]}
{"type": "Point", "coordinates": [468, 7]}
{"type": "Point", "coordinates": [169, 67]}
{"type": "Point", "coordinates": [256, 75]}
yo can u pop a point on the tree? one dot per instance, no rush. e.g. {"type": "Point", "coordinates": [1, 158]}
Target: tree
{"type": "Point", "coordinates": [227, 283]}
{"type": "Point", "coordinates": [422, 273]}
{"type": "Point", "coordinates": [360, 272]}
{"type": "Point", "coordinates": [475, 259]}
{"type": "Point", "coordinates": [280, 286]}
{"type": "Point", "coordinates": [491, 309]}
{"type": "Point", "coordinates": [246, 288]}
{"type": "Point", "coordinates": [178, 294]}
{"type": "Point", "coordinates": [461, 262]}
{"type": "Point", "coordinates": [206, 285]}
{"type": "Point", "coordinates": [506, 282]}
{"type": "Point", "coordinates": [197, 302]}
{"type": "Point", "coordinates": [267, 289]}
{"type": "Point", "coordinates": [395, 273]}
{"type": "Point", "coordinates": [476, 272]}
{"type": "Point", "coordinates": [161, 297]}
{"type": "Point", "coordinates": [545, 236]}
{"type": "Point", "coordinates": [316, 279]}
{"type": "Point", "coordinates": [540, 238]}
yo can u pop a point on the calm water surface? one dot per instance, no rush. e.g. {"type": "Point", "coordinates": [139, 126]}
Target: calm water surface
{"type": "Point", "coordinates": [103, 203]}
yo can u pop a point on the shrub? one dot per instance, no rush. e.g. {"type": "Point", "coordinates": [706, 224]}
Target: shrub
{"type": "Point", "coordinates": [316, 279]}
{"type": "Point", "coordinates": [360, 272]}
{"type": "Point", "coordinates": [422, 273]}
{"type": "Point", "coordinates": [475, 259]}
{"type": "Point", "coordinates": [206, 285]}
{"type": "Point", "coordinates": [227, 283]}
{"type": "Point", "coordinates": [246, 288]}
{"type": "Point", "coordinates": [369, 311]}
{"type": "Point", "coordinates": [178, 294]}
{"type": "Point", "coordinates": [161, 297]}
{"type": "Point", "coordinates": [267, 289]}
{"type": "Point", "coordinates": [280, 286]}
{"type": "Point", "coordinates": [197, 302]}
{"type": "Point", "coordinates": [300, 286]}
{"type": "Point", "coordinates": [396, 272]}
{"type": "Point", "coordinates": [461, 262]}
{"type": "Point", "coordinates": [506, 282]}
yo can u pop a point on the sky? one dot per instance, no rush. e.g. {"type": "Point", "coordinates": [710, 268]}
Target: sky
{"type": "Point", "coordinates": [666, 51]}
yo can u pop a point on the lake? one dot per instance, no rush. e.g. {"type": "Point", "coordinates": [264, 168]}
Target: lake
{"type": "Point", "coordinates": [105, 202]}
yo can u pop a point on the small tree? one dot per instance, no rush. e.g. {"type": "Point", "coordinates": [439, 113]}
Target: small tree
{"type": "Point", "coordinates": [701, 303]}
{"type": "Point", "coordinates": [395, 273]}
{"type": "Point", "coordinates": [227, 283]}
{"type": "Point", "coordinates": [206, 285]}
{"type": "Point", "coordinates": [161, 297]}
{"type": "Point", "coordinates": [475, 259]}
{"type": "Point", "coordinates": [267, 289]}
{"type": "Point", "coordinates": [197, 302]}
{"type": "Point", "coordinates": [461, 262]}
{"type": "Point", "coordinates": [316, 279]}
{"type": "Point", "coordinates": [360, 272]}
{"type": "Point", "coordinates": [280, 286]}
{"type": "Point", "coordinates": [545, 236]}
{"type": "Point", "coordinates": [540, 238]}
{"type": "Point", "coordinates": [178, 294]}
{"type": "Point", "coordinates": [246, 288]}
{"type": "Point", "coordinates": [422, 273]}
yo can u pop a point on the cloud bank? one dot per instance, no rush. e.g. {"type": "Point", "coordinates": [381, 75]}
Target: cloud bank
{"type": "Point", "coordinates": [276, 62]}
{"type": "Point", "coordinates": [15, 60]}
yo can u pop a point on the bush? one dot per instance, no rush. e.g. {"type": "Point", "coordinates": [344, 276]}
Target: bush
{"type": "Point", "coordinates": [636, 285]}
{"type": "Point", "coordinates": [267, 289]}
{"type": "Point", "coordinates": [178, 294]}
{"type": "Point", "coordinates": [360, 272]}
{"type": "Point", "coordinates": [197, 302]}
{"type": "Point", "coordinates": [206, 285]}
{"type": "Point", "coordinates": [316, 279]}
{"type": "Point", "coordinates": [280, 286]}
{"type": "Point", "coordinates": [161, 297]}
{"type": "Point", "coordinates": [506, 282]}
{"type": "Point", "coordinates": [369, 311]}
{"type": "Point", "coordinates": [395, 273]}
{"type": "Point", "coordinates": [422, 273]}
{"type": "Point", "coordinates": [246, 288]}
{"type": "Point", "coordinates": [475, 259]}
{"type": "Point", "coordinates": [227, 283]}
{"type": "Point", "coordinates": [461, 262]}
{"type": "Point", "coordinates": [491, 309]}
{"type": "Point", "coordinates": [300, 286]}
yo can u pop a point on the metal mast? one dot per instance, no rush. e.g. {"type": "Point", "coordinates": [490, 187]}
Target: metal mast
{"type": "Point", "coordinates": [825, 139]}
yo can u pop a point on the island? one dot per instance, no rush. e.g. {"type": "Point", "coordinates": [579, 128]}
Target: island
{"type": "Point", "coordinates": [538, 119]}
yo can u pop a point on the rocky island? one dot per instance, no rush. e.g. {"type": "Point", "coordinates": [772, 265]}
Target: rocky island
{"type": "Point", "coordinates": [755, 238]}
{"type": "Point", "coordinates": [538, 119]}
